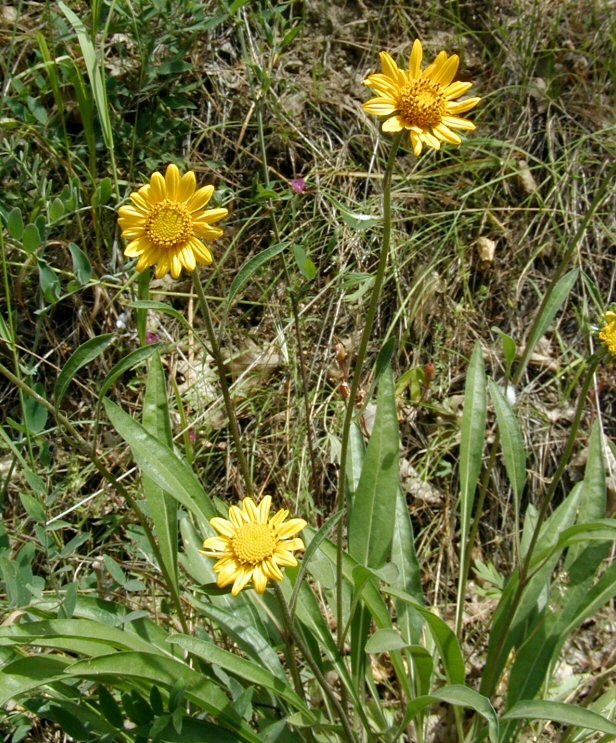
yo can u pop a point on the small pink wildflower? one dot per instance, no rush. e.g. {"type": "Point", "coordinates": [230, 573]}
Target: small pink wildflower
{"type": "Point", "coordinates": [298, 185]}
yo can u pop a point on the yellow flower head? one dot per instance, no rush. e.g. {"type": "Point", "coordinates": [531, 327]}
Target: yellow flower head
{"type": "Point", "coordinates": [608, 334]}
{"type": "Point", "coordinates": [421, 102]}
{"type": "Point", "coordinates": [167, 221]}
{"type": "Point", "coordinates": [253, 546]}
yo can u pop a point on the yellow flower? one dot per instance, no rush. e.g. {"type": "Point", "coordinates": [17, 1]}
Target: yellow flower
{"type": "Point", "coordinates": [421, 102]}
{"type": "Point", "coordinates": [166, 222]}
{"type": "Point", "coordinates": [253, 546]}
{"type": "Point", "coordinates": [608, 334]}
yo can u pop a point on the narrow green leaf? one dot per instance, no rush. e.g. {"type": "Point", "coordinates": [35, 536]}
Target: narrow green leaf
{"type": "Point", "coordinates": [26, 674]}
{"type": "Point", "coordinates": [460, 696]}
{"type": "Point", "coordinates": [250, 269]}
{"type": "Point", "coordinates": [163, 507]}
{"type": "Point", "coordinates": [371, 525]}
{"type": "Point", "coordinates": [444, 638]}
{"type": "Point", "coordinates": [86, 353]}
{"type": "Point", "coordinates": [512, 442]}
{"type": "Point", "coordinates": [162, 466]}
{"type": "Point", "coordinates": [566, 714]}
{"type": "Point", "coordinates": [130, 361]}
{"type": "Point", "coordinates": [557, 299]}
{"type": "Point", "coordinates": [472, 439]}
{"type": "Point", "coordinates": [245, 669]}
{"type": "Point", "coordinates": [404, 557]}
{"type": "Point", "coordinates": [151, 668]}
{"type": "Point", "coordinates": [35, 415]}
{"type": "Point", "coordinates": [49, 282]}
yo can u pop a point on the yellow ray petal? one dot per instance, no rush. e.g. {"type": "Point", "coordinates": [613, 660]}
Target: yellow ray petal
{"type": "Point", "coordinates": [187, 186]}
{"type": "Point", "coordinates": [448, 71]}
{"type": "Point", "coordinates": [461, 107]}
{"type": "Point", "coordinates": [455, 90]}
{"type": "Point", "coordinates": [264, 509]}
{"type": "Point", "coordinates": [223, 526]}
{"type": "Point", "coordinates": [157, 188]}
{"type": "Point", "coordinates": [379, 107]}
{"type": "Point", "coordinates": [202, 254]}
{"type": "Point", "coordinates": [446, 134]}
{"type": "Point", "coordinates": [291, 527]}
{"type": "Point", "coordinates": [416, 142]}
{"type": "Point", "coordinates": [172, 181]}
{"type": "Point", "coordinates": [188, 258]}
{"type": "Point", "coordinates": [382, 84]}
{"type": "Point", "coordinates": [200, 198]}
{"type": "Point", "coordinates": [259, 579]}
{"type": "Point", "coordinates": [415, 61]}
{"type": "Point", "coordinates": [393, 124]}
{"type": "Point", "coordinates": [453, 122]}
{"type": "Point", "coordinates": [176, 265]}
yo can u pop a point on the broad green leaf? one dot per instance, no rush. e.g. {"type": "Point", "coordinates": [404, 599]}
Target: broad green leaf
{"type": "Point", "coordinates": [460, 696]}
{"type": "Point", "coordinates": [250, 269]}
{"type": "Point", "coordinates": [385, 640]}
{"type": "Point", "coordinates": [566, 714]}
{"type": "Point", "coordinates": [163, 507]}
{"type": "Point", "coordinates": [512, 442]}
{"type": "Point", "coordinates": [15, 223]}
{"type": "Point", "coordinates": [161, 465]}
{"type": "Point", "coordinates": [151, 668]}
{"type": "Point", "coordinates": [102, 192]}
{"type": "Point", "coordinates": [371, 525]}
{"type": "Point", "coordinates": [31, 238]}
{"type": "Point", "coordinates": [509, 350]}
{"type": "Point", "coordinates": [82, 270]}
{"type": "Point", "coordinates": [305, 265]}
{"type": "Point", "coordinates": [423, 666]}
{"type": "Point", "coordinates": [56, 210]}
{"type": "Point", "coordinates": [86, 353]}
{"type": "Point", "coordinates": [35, 415]}
{"type": "Point", "coordinates": [49, 282]}
{"type": "Point", "coordinates": [246, 669]}
{"type": "Point", "coordinates": [32, 672]}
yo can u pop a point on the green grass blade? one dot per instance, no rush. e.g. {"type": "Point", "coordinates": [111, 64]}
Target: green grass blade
{"type": "Point", "coordinates": [161, 464]}
{"type": "Point", "coordinates": [371, 525]}
{"type": "Point", "coordinates": [163, 507]}
{"type": "Point", "coordinates": [86, 353]}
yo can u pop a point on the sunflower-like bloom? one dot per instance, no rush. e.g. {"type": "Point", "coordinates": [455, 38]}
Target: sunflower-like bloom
{"type": "Point", "coordinates": [166, 222]}
{"type": "Point", "coordinates": [608, 334]}
{"type": "Point", "coordinates": [253, 546]}
{"type": "Point", "coordinates": [424, 103]}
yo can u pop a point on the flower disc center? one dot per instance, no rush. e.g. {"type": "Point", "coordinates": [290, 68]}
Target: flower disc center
{"type": "Point", "coordinates": [169, 224]}
{"type": "Point", "coordinates": [421, 103]}
{"type": "Point", "coordinates": [252, 543]}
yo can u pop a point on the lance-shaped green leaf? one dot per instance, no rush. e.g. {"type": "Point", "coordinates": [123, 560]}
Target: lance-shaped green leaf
{"type": "Point", "coordinates": [371, 524]}
{"type": "Point", "coordinates": [161, 464]}
{"type": "Point", "coordinates": [162, 506]}
{"type": "Point", "coordinates": [566, 714]}
{"type": "Point", "coordinates": [86, 353]}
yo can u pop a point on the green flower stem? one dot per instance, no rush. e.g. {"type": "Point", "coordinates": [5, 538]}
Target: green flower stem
{"type": "Point", "coordinates": [222, 377]}
{"type": "Point", "coordinates": [357, 373]}
{"type": "Point", "coordinates": [489, 680]}
{"type": "Point", "coordinates": [89, 452]}
{"type": "Point", "coordinates": [143, 293]}
{"type": "Point", "coordinates": [297, 640]}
